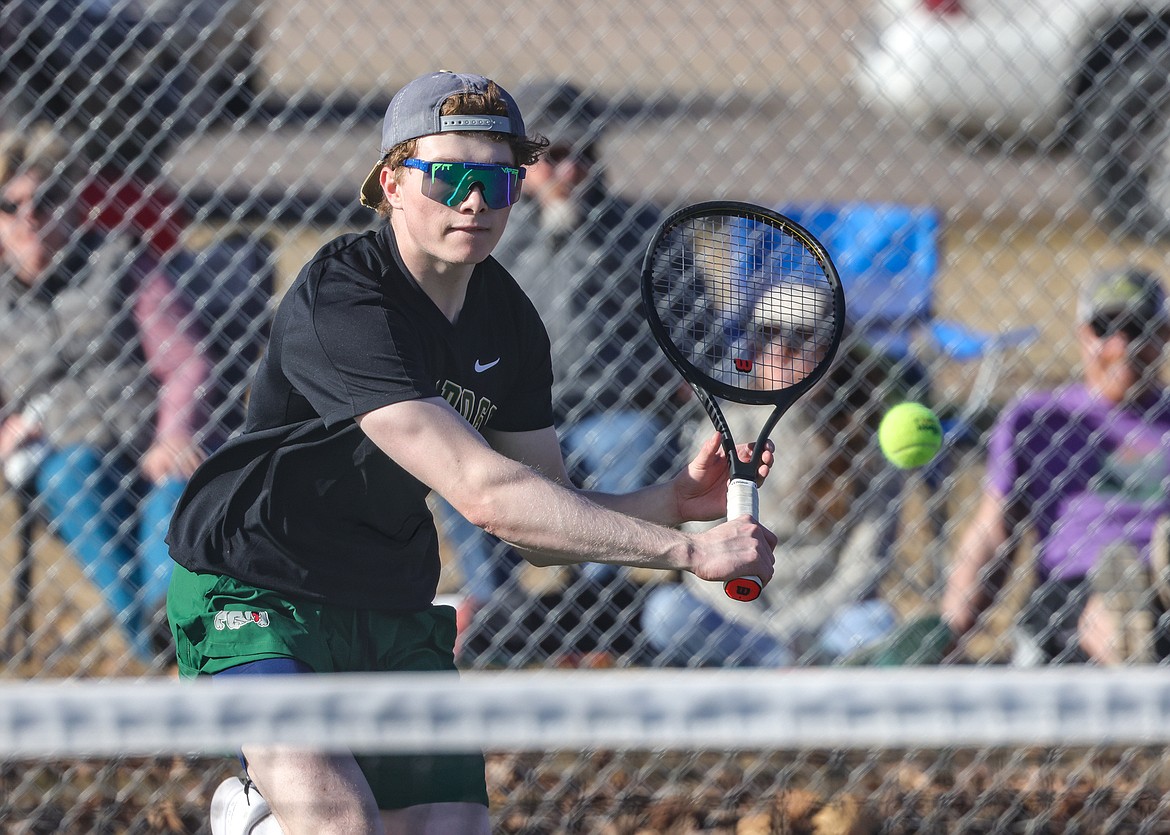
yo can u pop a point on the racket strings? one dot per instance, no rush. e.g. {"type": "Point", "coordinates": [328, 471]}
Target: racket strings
{"type": "Point", "coordinates": [746, 301]}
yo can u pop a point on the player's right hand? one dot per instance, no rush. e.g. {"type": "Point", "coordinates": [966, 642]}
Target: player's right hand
{"type": "Point", "coordinates": [736, 548]}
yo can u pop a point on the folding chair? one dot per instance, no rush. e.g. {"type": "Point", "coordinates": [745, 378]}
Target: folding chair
{"type": "Point", "coordinates": [888, 256]}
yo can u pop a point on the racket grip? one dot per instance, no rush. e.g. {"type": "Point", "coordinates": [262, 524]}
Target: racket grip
{"type": "Point", "coordinates": [743, 499]}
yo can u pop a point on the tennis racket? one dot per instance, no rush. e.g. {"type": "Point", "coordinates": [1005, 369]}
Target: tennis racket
{"type": "Point", "coordinates": [748, 306]}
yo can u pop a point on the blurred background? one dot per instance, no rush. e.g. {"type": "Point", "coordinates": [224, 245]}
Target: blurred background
{"type": "Point", "coordinates": [1025, 143]}
{"type": "Point", "coordinates": [966, 162]}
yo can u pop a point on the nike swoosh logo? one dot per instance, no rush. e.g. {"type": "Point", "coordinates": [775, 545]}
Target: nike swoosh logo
{"type": "Point", "coordinates": [482, 367]}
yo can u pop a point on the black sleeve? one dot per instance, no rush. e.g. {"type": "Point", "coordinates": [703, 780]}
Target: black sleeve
{"type": "Point", "coordinates": [530, 405]}
{"type": "Point", "coordinates": [349, 355]}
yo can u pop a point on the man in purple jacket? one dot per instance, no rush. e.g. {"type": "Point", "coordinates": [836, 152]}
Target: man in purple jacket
{"type": "Point", "coordinates": [1085, 469]}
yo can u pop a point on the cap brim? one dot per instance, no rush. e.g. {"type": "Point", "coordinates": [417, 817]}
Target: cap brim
{"type": "Point", "coordinates": [371, 193]}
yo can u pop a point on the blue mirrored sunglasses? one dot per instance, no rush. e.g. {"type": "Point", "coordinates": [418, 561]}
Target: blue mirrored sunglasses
{"type": "Point", "coordinates": [450, 182]}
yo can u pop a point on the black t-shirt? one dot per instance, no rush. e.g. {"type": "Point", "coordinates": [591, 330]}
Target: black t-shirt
{"type": "Point", "coordinates": [303, 502]}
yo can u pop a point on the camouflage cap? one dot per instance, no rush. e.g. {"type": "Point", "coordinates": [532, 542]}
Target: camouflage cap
{"type": "Point", "coordinates": [1129, 291]}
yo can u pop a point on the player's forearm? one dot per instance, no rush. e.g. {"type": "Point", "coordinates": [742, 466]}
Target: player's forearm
{"type": "Point", "coordinates": [568, 528]}
{"type": "Point", "coordinates": [555, 525]}
{"type": "Point", "coordinates": [531, 511]}
{"type": "Point", "coordinates": [657, 503]}
{"type": "Point", "coordinates": [698, 493]}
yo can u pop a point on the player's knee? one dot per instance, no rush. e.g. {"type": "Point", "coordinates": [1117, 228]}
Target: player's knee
{"type": "Point", "coordinates": [314, 793]}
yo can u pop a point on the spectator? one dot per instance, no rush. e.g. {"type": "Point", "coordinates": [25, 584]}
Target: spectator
{"type": "Point", "coordinates": [1085, 468]}
{"type": "Point", "coordinates": [576, 249]}
{"type": "Point", "coordinates": [103, 444]}
{"type": "Point", "coordinates": [830, 504]}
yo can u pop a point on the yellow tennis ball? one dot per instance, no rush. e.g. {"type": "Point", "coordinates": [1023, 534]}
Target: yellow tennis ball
{"type": "Point", "coordinates": [910, 435]}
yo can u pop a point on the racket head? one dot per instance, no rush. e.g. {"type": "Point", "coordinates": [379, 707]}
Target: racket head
{"type": "Point", "coordinates": [745, 303]}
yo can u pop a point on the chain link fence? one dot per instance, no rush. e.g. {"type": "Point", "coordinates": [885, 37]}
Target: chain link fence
{"type": "Point", "coordinates": [1002, 154]}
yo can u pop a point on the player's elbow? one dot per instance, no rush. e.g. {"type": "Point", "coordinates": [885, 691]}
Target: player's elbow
{"type": "Point", "coordinates": [479, 511]}
{"type": "Point", "coordinates": [494, 519]}
{"type": "Point", "coordinates": [510, 502]}
{"type": "Point", "coordinates": [482, 500]}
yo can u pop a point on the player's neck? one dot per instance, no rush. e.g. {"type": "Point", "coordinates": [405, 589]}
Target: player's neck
{"type": "Point", "coordinates": [444, 283]}
{"type": "Point", "coordinates": [446, 286]}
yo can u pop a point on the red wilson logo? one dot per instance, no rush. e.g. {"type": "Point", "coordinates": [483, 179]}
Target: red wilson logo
{"type": "Point", "coordinates": [743, 365]}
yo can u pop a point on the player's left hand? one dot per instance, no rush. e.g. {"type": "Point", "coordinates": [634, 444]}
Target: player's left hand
{"type": "Point", "coordinates": [701, 489]}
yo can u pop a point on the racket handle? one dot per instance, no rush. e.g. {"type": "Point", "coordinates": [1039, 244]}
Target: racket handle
{"type": "Point", "coordinates": [743, 499]}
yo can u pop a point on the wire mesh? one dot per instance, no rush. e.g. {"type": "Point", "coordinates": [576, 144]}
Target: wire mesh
{"type": "Point", "coordinates": [943, 750]}
{"type": "Point", "coordinates": [1001, 153]}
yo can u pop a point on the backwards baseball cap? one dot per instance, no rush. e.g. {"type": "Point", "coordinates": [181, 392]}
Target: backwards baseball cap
{"type": "Point", "coordinates": [1128, 293]}
{"type": "Point", "coordinates": [416, 109]}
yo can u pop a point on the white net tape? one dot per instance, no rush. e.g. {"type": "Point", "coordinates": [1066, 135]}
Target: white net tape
{"type": "Point", "coordinates": [573, 710]}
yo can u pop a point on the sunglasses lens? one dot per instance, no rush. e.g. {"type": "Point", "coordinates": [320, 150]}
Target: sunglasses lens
{"type": "Point", "coordinates": [450, 182]}
{"type": "Point", "coordinates": [1106, 326]}
{"type": "Point", "coordinates": [792, 338]}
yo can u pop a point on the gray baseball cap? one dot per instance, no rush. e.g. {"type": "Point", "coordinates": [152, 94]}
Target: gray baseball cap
{"type": "Point", "coordinates": [801, 311]}
{"type": "Point", "coordinates": [415, 111]}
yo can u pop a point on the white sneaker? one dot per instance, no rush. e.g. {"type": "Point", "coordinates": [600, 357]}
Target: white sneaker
{"type": "Point", "coordinates": [237, 810]}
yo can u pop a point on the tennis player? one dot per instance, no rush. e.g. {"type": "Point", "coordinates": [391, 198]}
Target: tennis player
{"type": "Point", "coordinates": [404, 360]}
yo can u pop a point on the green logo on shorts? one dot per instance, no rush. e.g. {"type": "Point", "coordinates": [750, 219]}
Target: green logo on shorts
{"type": "Point", "coordinates": [236, 620]}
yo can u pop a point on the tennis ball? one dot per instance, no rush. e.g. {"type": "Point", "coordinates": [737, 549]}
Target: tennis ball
{"type": "Point", "coordinates": [909, 435]}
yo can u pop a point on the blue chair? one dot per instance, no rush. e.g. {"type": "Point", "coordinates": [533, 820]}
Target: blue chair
{"type": "Point", "coordinates": [888, 257]}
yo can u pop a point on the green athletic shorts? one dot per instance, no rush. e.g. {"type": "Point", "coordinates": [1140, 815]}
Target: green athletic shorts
{"type": "Point", "coordinates": [219, 622]}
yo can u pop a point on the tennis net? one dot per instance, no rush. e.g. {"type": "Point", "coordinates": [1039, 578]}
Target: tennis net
{"type": "Point", "coordinates": [908, 750]}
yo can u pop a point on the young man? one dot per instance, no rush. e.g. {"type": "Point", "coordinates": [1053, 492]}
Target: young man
{"type": "Point", "coordinates": [402, 361]}
{"type": "Point", "coordinates": [1086, 468]}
